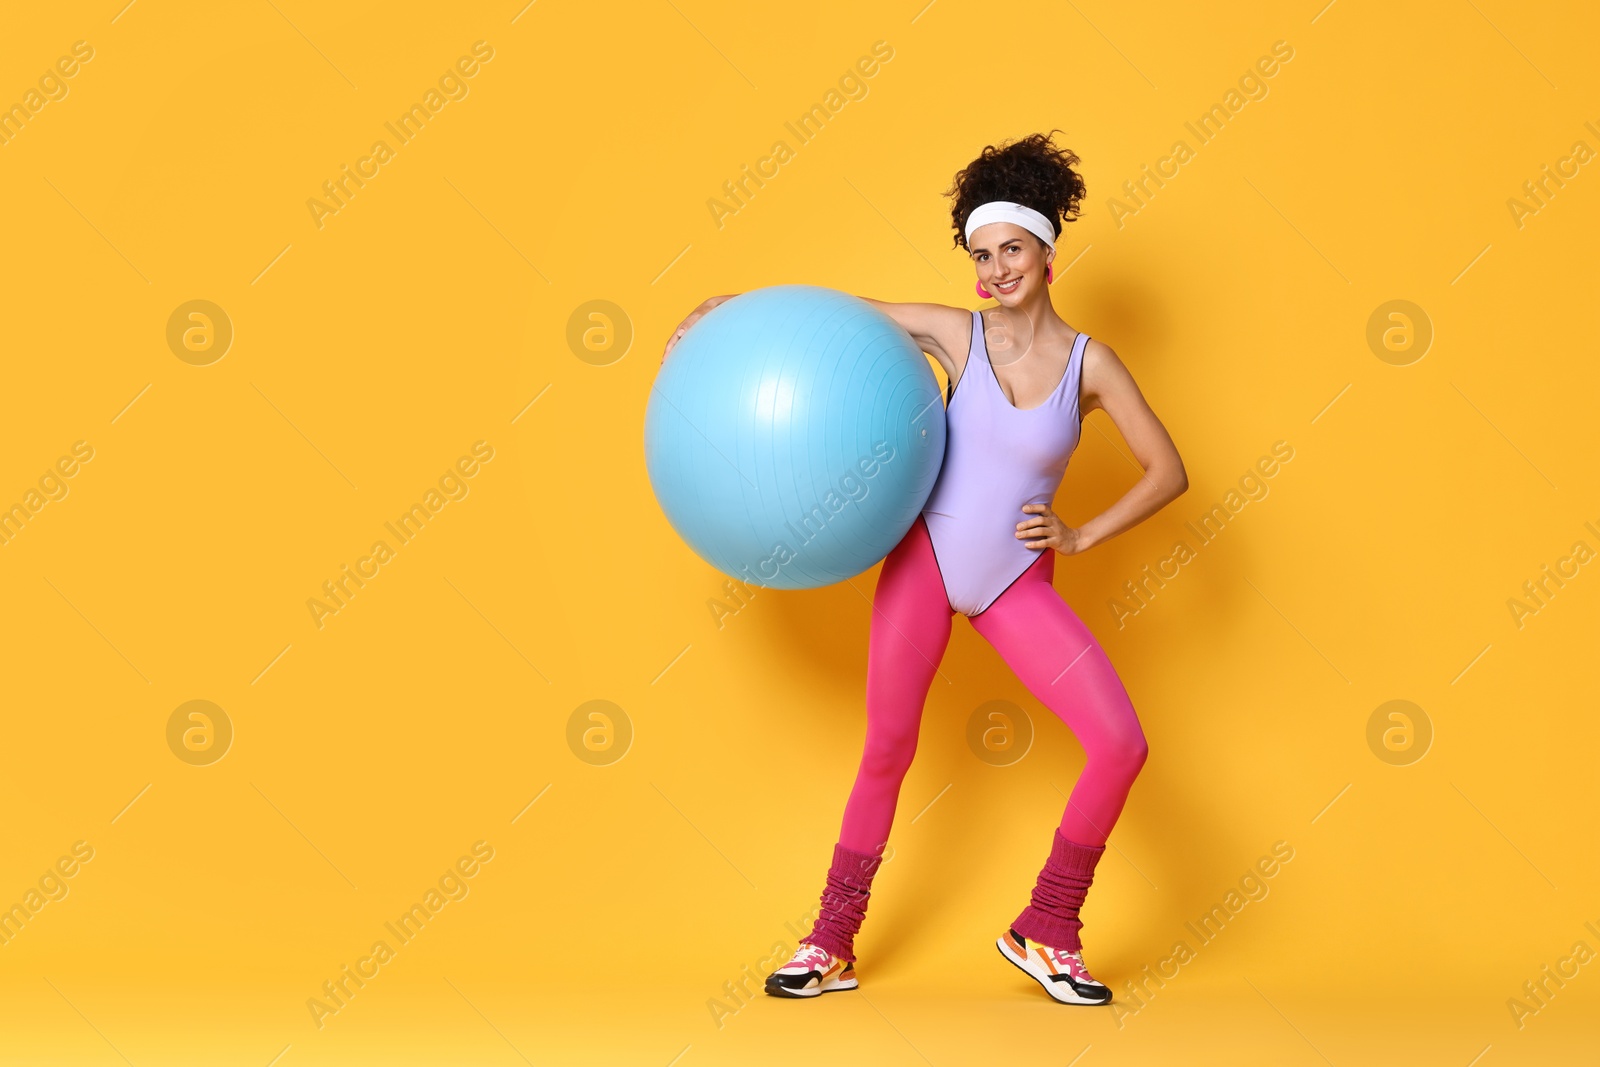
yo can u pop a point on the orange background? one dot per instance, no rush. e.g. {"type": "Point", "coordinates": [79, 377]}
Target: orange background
{"type": "Point", "coordinates": [436, 308]}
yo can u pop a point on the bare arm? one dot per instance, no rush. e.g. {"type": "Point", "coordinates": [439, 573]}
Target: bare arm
{"type": "Point", "coordinates": [941, 331]}
{"type": "Point", "coordinates": [690, 319]}
{"type": "Point", "coordinates": [1109, 387]}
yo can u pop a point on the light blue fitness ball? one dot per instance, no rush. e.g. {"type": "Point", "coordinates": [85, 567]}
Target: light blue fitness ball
{"type": "Point", "coordinates": [793, 435]}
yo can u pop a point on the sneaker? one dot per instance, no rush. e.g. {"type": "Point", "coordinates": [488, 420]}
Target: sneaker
{"type": "Point", "coordinates": [1062, 973]}
{"type": "Point", "coordinates": [810, 971]}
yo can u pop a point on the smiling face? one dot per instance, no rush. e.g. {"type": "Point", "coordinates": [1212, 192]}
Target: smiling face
{"type": "Point", "coordinates": [1009, 260]}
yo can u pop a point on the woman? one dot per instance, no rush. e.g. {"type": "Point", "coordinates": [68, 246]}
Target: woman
{"type": "Point", "coordinates": [985, 545]}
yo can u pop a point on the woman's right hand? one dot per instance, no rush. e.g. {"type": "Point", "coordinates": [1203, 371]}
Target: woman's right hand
{"type": "Point", "coordinates": [692, 318]}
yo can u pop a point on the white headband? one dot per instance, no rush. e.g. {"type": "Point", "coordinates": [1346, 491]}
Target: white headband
{"type": "Point", "coordinates": [1007, 211]}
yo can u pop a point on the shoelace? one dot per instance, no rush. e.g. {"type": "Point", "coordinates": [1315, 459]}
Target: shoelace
{"type": "Point", "coordinates": [810, 955]}
{"type": "Point", "coordinates": [1073, 961]}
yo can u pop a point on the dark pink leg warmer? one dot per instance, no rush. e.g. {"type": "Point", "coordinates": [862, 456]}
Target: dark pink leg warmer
{"type": "Point", "coordinates": [844, 901]}
{"type": "Point", "coordinates": [1051, 917]}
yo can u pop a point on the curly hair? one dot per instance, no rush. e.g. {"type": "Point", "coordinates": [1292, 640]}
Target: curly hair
{"type": "Point", "coordinates": [1032, 172]}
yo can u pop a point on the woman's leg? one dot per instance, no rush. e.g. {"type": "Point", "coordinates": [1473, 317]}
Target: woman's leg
{"type": "Point", "coordinates": [910, 630]}
{"type": "Point", "coordinates": [1057, 658]}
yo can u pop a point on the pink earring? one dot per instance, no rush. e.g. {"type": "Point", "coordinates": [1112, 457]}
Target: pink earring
{"type": "Point", "coordinates": [1049, 273]}
{"type": "Point", "coordinates": [983, 292]}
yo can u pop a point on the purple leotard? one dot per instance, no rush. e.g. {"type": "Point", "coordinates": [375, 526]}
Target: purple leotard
{"type": "Point", "coordinates": [997, 458]}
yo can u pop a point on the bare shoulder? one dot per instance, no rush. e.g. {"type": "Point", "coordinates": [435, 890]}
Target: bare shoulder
{"type": "Point", "coordinates": [1104, 375]}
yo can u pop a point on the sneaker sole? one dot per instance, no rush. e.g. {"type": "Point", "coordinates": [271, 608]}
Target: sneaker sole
{"type": "Point", "coordinates": [1060, 992]}
{"type": "Point", "coordinates": [774, 989]}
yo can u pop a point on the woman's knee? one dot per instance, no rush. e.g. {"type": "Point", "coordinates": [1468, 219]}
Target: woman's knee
{"type": "Point", "coordinates": [1124, 753]}
{"type": "Point", "coordinates": [888, 756]}
{"type": "Point", "coordinates": [1138, 751]}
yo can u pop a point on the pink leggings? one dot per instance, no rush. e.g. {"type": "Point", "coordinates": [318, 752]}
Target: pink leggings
{"type": "Point", "coordinates": [1040, 638]}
